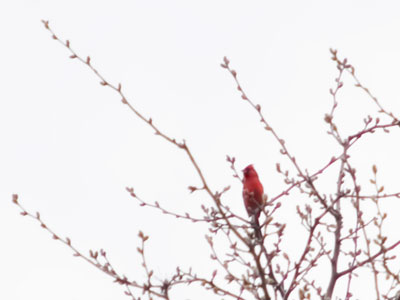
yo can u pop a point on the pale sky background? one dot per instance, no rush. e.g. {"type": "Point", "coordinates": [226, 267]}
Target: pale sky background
{"type": "Point", "coordinates": [69, 147]}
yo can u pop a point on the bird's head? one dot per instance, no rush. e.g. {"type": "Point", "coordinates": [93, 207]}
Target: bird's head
{"type": "Point", "coordinates": [249, 172]}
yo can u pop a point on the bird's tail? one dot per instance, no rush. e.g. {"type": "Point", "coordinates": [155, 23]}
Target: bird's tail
{"type": "Point", "coordinates": [257, 229]}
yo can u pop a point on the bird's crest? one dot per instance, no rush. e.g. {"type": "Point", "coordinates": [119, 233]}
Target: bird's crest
{"type": "Point", "coordinates": [248, 170]}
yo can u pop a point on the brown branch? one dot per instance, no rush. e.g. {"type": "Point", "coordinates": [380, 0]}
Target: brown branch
{"type": "Point", "coordinates": [266, 125]}
{"type": "Point", "coordinates": [93, 257]}
{"type": "Point", "coordinates": [181, 145]}
{"type": "Point", "coordinates": [208, 218]}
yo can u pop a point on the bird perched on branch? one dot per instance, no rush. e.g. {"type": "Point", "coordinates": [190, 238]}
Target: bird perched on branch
{"type": "Point", "coordinates": [253, 196]}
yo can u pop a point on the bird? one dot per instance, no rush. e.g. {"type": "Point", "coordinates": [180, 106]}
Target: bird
{"type": "Point", "coordinates": [253, 196]}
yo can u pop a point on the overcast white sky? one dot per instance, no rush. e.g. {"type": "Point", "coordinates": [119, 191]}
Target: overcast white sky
{"type": "Point", "coordinates": [69, 147]}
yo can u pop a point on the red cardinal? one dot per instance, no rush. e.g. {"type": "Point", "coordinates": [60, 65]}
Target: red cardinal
{"type": "Point", "coordinates": [253, 196]}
